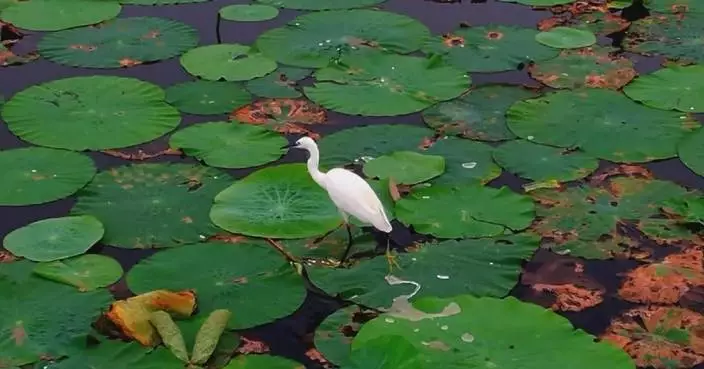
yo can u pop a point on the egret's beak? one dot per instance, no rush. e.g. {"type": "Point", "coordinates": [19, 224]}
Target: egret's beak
{"type": "Point", "coordinates": [288, 146]}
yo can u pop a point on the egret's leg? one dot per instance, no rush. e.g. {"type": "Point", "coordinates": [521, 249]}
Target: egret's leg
{"type": "Point", "coordinates": [349, 243]}
{"type": "Point", "coordinates": [390, 258]}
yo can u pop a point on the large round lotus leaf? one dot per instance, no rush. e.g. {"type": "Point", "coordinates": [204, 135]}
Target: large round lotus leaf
{"type": "Point", "coordinates": [321, 5]}
{"type": "Point", "coordinates": [119, 43]}
{"type": "Point", "coordinates": [248, 12]}
{"type": "Point", "coordinates": [35, 175]}
{"type": "Point", "coordinates": [675, 6]}
{"type": "Point", "coordinates": [461, 331]}
{"type": "Point", "coordinates": [160, 2]}
{"type": "Point", "coordinates": [153, 205]}
{"type": "Point", "coordinates": [262, 361]}
{"type": "Point", "coordinates": [540, 3]}
{"type": "Point", "coordinates": [281, 201]}
{"type": "Point", "coordinates": [90, 113]}
{"type": "Point", "coordinates": [671, 35]}
{"type": "Point", "coordinates": [117, 354]}
{"type": "Point", "coordinates": [566, 38]}
{"type": "Point", "coordinates": [240, 277]}
{"type": "Point", "coordinates": [53, 15]}
{"type": "Point", "coordinates": [374, 83]}
{"type": "Point", "coordinates": [673, 88]}
{"type": "Point", "coordinates": [482, 267]}
{"type": "Point", "coordinates": [583, 221]}
{"type": "Point", "coordinates": [361, 144]}
{"type": "Point", "coordinates": [465, 161]}
{"type": "Point", "coordinates": [405, 167]}
{"type": "Point", "coordinates": [54, 238]}
{"type": "Point", "coordinates": [86, 272]}
{"type": "Point", "coordinates": [691, 152]}
{"type": "Point", "coordinates": [40, 317]}
{"type": "Point", "coordinates": [331, 338]}
{"type": "Point", "coordinates": [279, 84]}
{"type": "Point", "coordinates": [596, 121]}
{"type": "Point", "coordinates": [589, 67]}
{"type": "Point", "coordinates": [207, 97]}
{"type": "Point", "coordinates": [479, 115]}
{"type": "Point", "coordinates": [229, 145]}
{"type": "Point", "coordinates": [231, 62]}
{"type": "Point", "coordinates": [465, 211]}
{"type": "Point", "coordinates": [491, 48]}
{"type": "Point", "coordinates": [314, 40]}
{"type": "Point", "coordinates": [544, 163]}
{"type": "Point", "coordinates": [386, 352]}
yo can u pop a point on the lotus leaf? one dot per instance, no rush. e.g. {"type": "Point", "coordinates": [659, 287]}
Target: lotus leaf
{"type": "Point", "coordinates": [460, 331]}
{"type": "Point", "coordinates": [231, 62]}
{"type": "Point", "coordinates": [321, 5]}
{"type": "Point", "coordinates": [52, 15]}
{"type": "Point", "coordinates": [479, 115]}
{"type": "Point", "coordinates": [465, 211]}
{"type": "Point", "coordinates": [386, 352]}
{"type": "Point", "coordinates": [280, 83]}
{"type": "Point", "coordinates": [334, 244]}
{"type": "Point", "coordinates": [281, 201]}
{"type": "Point", "coordinates": [672, 35]}
{"type": "Point", "coordinates": [160, 2]}
{"type": "Point", "coordinates": [248, 12]}
{"type": "Point", "coordinates": [583, 221]}
{"type": "Point", "coordinates": [589, 67]}
{"type": "Point", "coordinates": [238, 277]}
{"type": "Point", "coordinates": [123, 42]}
{"type": "Point", "coordinates": [482, 267]}
{"type": "Point", "coordinates": [314, 40]}
{"type": "Point", "coordinates": [207, 97]}
{"type": "Point", "coordinates": [40, 317]}
{"type": "Point", "coordinates": [673, 88]}
{"type": "Point", "coordinates": [465, 161]}
{"type": "Point", "coordinates": [229, 145]}
{"type": "Point", "coordinates": [405, 167]}
{"type": "Point", "coordinates": [36, 175]}
{"type": "Point", "coordinates": [153, 205]}
{"type": "Point", "coordinates": [691, 152]}
{"type": "Point", "coordinates": [262, 361]}
{"type": "Point", "coordinates": [90, 113]}
{"type": "Point", "coordinates": [544, 163]}
{"type": "Point", "coordinates": [374, 83]}
{"type": "Point", "coordinates": [490, 48]}
{"type": "Point", "coordinates": [675, 6]}
{"type": "Point", "coordinates": [566, 38]}
{"type": "Point", "coordinates": [366, 143]}
{"type": "Point", "coordinates": [596, 120]}
{"type": "Point", "coordinates": [86, 272]}
{"type": "Point", "coordinates": [690, 209]}
{"type": "Point", "coordinates": [331, 337]}
{"type": "Point", "coordinates": [115, 354]}
{"type": "Point", "coordinates": [54, 238]}
{"type": "Point", "coordinates": [540, 3]}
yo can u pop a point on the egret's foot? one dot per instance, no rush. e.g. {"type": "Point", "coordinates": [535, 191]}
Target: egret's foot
{"type": "Point", "coordinates": [391, 260]}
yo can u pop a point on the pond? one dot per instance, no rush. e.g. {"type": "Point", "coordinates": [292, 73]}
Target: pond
{"type": "Point", "coordinates": [540, 162]}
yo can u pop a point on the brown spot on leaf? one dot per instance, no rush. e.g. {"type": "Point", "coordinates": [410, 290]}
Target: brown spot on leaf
{"type": "Point", "coordinates": [187, 220]}
{"type": "Point", "coordinates": [152, 34]}
{"type": "Point", "coordinates": [127, 62]}
{"type": "Point", "coordinates": [252, 346]}
{"type": "Point", "coordinates": [282, 115]}
{"type": "Point", "coordinates": [622, 170]}
{"type": "Point", "coordinates": [7, 257]}
{"type": "Point", "coordinates": [240, 280]}
{"type": "Point", "coordinates": [451, 40]}
{"type": "Point", "coordinates": [494, 35]}
{"type": "Point", "coordinates": [141, 154]}
{"type": "Point", "coordinates": [19, 334]}
{"type": "Point", "coordinates": [316, 355]}
{"type": "Point", "coordinates": [83, 47]}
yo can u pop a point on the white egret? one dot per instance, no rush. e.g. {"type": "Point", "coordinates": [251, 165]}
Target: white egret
{"type": "Point", "coordinates": [349, 192]}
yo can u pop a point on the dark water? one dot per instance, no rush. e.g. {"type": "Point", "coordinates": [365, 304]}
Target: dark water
{"type": "Point", "coordinates": [291, 336]}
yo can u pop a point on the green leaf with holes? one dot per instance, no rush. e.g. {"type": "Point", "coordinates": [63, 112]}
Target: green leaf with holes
{"type": "Point", "coordinates": [672, 88]}
{"type": "Point", "coordinates": [674, 36]}
{"type": "Point", "coordinates": [321, 5]}
{"type": "Point", "coordinates": [405, 167]}
{"type": "Point", "coordinates": [153, 205]}
{"type": "Point", "coordinates": [279, 84]}
{"type": "Point", "coordinates": [332, 336]}
{"type": "Point", "coordinates": [566, 38]}
{"type": "Point", "coordinates": [691, 152]}
{"type": "Point", "coordinates": [248, 12]}
{"type": "Point", "coordinates": [281, 201]}
{"type": "Point", "coordinates": [52, 15]}
{"type": "Point", "coordinates": [86, 272]}
{"type": "Point", "coordinates": [238, 277]}
{"type": "Point", "coordinates": [465, 161]}
{"type": "Point", "coordinates": [544, 163]}
{"type": "Point", "coordinates": [229, 62]}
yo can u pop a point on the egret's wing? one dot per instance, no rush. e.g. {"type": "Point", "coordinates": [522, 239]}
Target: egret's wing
{"type": "Point", "coordinates": [353, 194]}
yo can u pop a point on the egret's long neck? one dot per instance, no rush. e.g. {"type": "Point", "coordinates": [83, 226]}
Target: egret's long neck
{"type": "Point", "coordinates": [313, 161]}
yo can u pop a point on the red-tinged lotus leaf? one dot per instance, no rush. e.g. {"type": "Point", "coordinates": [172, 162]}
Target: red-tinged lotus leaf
{"type": "Point", "coordinates": [282, 115]}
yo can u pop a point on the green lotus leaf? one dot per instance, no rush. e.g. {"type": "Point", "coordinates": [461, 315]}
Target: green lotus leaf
{"type": "Point", "coordinates": [161, 2]}
{"type": "Point", "coordinates": [405, 167]}
{"type": "Point", "coordinates": [231, 62]}
{"type": "Point", "coordinates": [239, 277]}
{"type": "Point", "coordinates": [690, 209]}
{"type": "Point", "coordinates": [321, 5]}
{"type": "Point", "coordinates": [40, 318]}
{"type": "Point", "coordinates": [373, 83]}
{"type": "Point", "coordinates": [207, 97]}
{"type": "Point", "coordinates": [116, 354]}
{"type": "Point", "coordinates": [153, 205]}
{"type": "Point", "coordinates": [36, 175]}
{"type": "Point", "coordinates": [675, 6]}
{"type": "Point", "coordinates": [248, 12]}
{"type": "Point", "coordinates": [540, 3]}
{"type": "Point", "coordinates": [594, 67]}
{"type": "Point", "coordinates": [86, 272]}
{"type": "Point", "coordinates": [566, 38]}
{"type": "Point", "coordinates": [691, 152]}
{"type": "Point", "coordinates": [90, 113]}
{"type": "Point", "coordinates": [671, 35]}
{"type": "Point", "coordinates": [386, 352]}
{"type": "Point", "coordinates": [229, 144]}
{"type": "Point", "coordinates": [119, 43]}
{"type": "Point", "coordinates": [465, 161]}
{"type": "Point", "coordinates": [542, 163]}
{"type": "Point", "coordinates": [279, 84]}
{"type": "Point", "coordinates": [596, 120]}
{"type": "Point", "coordinates": [281, 201]}
{"type": "Point", "coordinates": [331, 338]}
{"type": "Point", "coordinates": [314, 40]}
{"type": "Point", "coordinates": [478, 115]}
{"type": "Point", "coordinates": [262, 361]}
{"type": "Point", "coordinates": [54, 238]}
{"type": "Point", "coordinates": [673, 88]}
{"type": "Point", "coordinates": [493, 265]}
{"type": "Point", "coordinates": [490, 48]}
{"type": "Point", "coordinates": [583, 221]}
{"type": "Point", "coordinates": [333, 245]}
{"type": "Point", "coordinates": [470, 211]}
{"type": "Point", "coordinates": [460, 331]}
{"type": "Point", "coordinates": [368, 142]}
{"type": "Point", "coordinates": [52, 15]}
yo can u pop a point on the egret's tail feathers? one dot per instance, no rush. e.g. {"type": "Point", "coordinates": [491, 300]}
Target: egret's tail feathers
{"type": "Point", "coordinates": [382, 224]}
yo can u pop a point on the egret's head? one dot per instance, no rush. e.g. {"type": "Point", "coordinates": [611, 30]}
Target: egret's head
{"type": "Point", "coordinates": [305, 143]}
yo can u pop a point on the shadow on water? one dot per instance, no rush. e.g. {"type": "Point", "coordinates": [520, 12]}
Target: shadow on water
{"type": "Point", "coordinates": [291, 336]}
